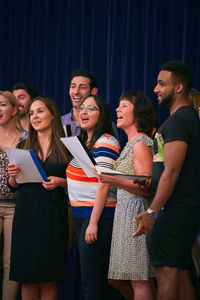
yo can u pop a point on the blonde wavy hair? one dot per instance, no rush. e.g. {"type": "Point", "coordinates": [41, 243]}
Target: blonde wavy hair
{"type": "Point", "coordinates": [16, 125]}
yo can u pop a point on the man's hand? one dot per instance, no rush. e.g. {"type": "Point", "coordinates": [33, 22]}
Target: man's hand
{"type": "Point", "coordinates": [146, 223]}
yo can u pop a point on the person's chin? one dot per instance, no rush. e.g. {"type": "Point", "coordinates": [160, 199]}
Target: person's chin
{"type": "Point", "coordinates": [119, 125]}
{"type": "Point", "coordinates": [165, 102]}
{"type": "Point", "coordinates": [83, 126]}
{"type": "Point", "coordinates": [77, 104]}
{"type": "Point", "coordinates": [21, 114]}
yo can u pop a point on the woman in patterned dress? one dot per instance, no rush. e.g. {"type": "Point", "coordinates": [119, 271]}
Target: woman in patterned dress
{"type": "Point", "coordinates": [10, 134]}
{"type": "Point", "coordinates": [129, 261]}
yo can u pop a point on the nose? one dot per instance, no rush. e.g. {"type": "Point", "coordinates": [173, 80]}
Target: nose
{"type": "Point", "coordinates": [118, 109]}
{"type": "Point", "coordinates": [76, 90]}
{"type": "Point", "coordinates": [156, 90]}
{"type": "Point", "coordinates": [83, 111]}
{"type": "Point", "coordinates": [34, 115]}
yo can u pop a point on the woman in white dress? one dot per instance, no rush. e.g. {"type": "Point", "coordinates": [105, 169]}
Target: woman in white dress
{"type": "Point", "coordinates": [129, 260]}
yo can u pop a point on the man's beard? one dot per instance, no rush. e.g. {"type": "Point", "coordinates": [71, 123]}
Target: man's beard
{"type": "Point", "coordinates": [21, 114]}
{"type": "Point", "coordinates": [166, 101]}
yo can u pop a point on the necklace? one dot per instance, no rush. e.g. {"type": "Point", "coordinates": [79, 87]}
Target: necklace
{"type": "Point", "coordinates": [9, 140]}
{"type": "Point", "coordinates": [3, 138]}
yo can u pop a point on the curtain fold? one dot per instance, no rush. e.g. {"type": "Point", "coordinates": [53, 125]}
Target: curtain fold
{"type": "Point", "coordinates": [123, 42]}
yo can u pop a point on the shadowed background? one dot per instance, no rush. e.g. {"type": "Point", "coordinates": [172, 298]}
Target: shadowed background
{"type": "Point", "coordinates": [123, 42]}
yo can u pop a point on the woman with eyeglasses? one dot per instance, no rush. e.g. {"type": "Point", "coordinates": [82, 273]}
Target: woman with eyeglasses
{"type": "Point", "coordinates": [92, 202]}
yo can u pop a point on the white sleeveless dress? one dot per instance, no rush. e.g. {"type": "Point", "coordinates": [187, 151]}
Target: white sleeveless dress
{"type": "Point", "coordinates": [129, 259]}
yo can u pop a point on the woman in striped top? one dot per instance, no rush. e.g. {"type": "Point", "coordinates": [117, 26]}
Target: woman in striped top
{"type": "Point", "coordinates": [92, 202]}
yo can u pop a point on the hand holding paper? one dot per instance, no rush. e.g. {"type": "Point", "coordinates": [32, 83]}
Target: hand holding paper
{"type": "Point", "coordinates": [28, 164]}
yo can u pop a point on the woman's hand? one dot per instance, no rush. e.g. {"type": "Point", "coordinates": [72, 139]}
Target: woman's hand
{"type": "Point", "coordinates": [143, 183]}
{"type": "Point", "coordinates": [91, 233]}
{"type": "Point", "coordinates": [104, 178]}
{"type": "Point", "coordinates": [13, 170]}
{"type": "Point", "coordinates": [53, 182]}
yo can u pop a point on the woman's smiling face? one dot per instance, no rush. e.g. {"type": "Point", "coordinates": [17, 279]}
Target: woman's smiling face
{"type": "Point", "coordinates": [125, 115]}
{"type": "Point", "coordinates": [40, 117]}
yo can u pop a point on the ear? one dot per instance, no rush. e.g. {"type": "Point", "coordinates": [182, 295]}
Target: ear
{"type": "Point", "coordinates": [15, 111]}
{"type": "Point", "coordinates": [94, 91]}
{"type": "Point", "coordinates": [179, 88]}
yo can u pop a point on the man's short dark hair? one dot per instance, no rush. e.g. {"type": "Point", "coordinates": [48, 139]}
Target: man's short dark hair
{"type": "Point", "coordinates": [30, 89]}
{"type": "Point", "coordinates": [181, 73]}
{"type": "Point", "coordinates": [85, 73]}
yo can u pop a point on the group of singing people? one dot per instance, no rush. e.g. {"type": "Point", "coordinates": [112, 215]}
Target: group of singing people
{"type": "Point", "coordinates": [132, 235]}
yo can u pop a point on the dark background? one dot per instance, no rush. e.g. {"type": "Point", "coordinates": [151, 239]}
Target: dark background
{"type": "Point", "coordinates": [123, 42]}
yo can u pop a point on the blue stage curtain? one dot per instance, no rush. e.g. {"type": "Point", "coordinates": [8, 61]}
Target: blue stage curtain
{"type": "Point", "coordinates": [124, 42]}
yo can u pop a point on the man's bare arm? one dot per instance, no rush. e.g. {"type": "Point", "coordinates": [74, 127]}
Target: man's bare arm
{"type": "Point", "coordinates": [174, 156]}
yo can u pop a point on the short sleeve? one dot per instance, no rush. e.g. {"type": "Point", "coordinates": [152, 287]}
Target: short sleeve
{"type": "Point", "coordinates": [176, 130]}
{"type": "Point", "coordinates": [106, 151]}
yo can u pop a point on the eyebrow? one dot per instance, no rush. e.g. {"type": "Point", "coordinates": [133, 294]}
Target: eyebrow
{"type": "Point", "coordinates": [21, 95]}
{"type": "Point", "coordinates": [41, 107]}
{"type": "Point", "coordinates": [81, 84]}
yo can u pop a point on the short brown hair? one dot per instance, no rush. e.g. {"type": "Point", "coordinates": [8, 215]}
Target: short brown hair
{"type": "Point", "coordinates": [144, 112]}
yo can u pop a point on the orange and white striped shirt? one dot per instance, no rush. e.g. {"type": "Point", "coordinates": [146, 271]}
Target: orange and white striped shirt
{"type": "Point", "coordinates": [82, 189]}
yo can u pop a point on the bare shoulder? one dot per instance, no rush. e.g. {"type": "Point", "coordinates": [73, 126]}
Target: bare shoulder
{"type": "Point", "coordinates": [140, 148]}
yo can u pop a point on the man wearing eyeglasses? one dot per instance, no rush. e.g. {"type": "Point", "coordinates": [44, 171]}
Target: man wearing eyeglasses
{"type": "Point", "coordinates": [82, 85]}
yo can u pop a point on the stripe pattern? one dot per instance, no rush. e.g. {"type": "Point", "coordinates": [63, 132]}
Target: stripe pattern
{"type": "Point", "coordinates": [82, 189]}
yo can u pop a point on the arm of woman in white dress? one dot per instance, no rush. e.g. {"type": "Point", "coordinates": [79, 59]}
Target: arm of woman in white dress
{"type": "Point", "coordinates": [142, 161]}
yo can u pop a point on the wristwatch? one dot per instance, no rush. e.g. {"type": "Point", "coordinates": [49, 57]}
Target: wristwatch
{"type": "Point", "coordinates": [152, 213]}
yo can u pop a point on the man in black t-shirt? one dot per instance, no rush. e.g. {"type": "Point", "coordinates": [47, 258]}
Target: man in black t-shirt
{"type": "Point", "coordinates": [173, 219]}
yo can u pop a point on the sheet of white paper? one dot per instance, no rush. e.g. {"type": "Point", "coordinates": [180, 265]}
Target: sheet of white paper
{"type": "Point", "coordinates": [73, 144]}
{"type": "Point", "coordinates": [23, 159]}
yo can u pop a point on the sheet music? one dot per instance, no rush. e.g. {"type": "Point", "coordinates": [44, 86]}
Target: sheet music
{"type": "Point", "coordinates": [29, 171]}
{"type": "Point", "coordinates": [81, 154]}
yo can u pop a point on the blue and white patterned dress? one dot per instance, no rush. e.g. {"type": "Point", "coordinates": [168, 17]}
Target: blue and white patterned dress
{"type": "Point", "coordinates": [129, 259]}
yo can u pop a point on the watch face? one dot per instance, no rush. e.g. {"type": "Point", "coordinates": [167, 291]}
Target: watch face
{"type": "Point", "coordinates": [153, 214]}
